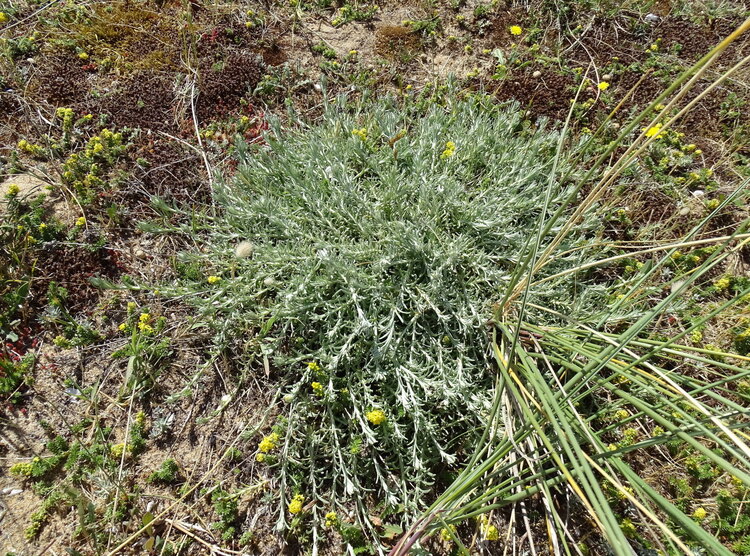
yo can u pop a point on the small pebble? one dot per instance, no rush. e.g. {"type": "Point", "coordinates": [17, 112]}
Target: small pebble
{"type": "Point", "coordinates": [537, 74]}
{"type": "Point", "coordinates": [11, 491]}
{"type": "Point", "coordinates": [652, 18]}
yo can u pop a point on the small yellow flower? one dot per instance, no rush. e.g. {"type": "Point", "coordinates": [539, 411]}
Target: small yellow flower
{"type": "Point", "coordinates": [21, 469]}
{"type": "Point", "coordinates": [260, 458]}
{"type": "Point", "coordinates": [123, 327]}
{"type": "Point", "coordinates": [295, 506]}
{"type": "Point", "coordinates": [516, 30]}
{"type": "Point", "coordinates": [313, 366]}
{"type": "Point", "coordinates": [83, 56]}
{"type": "Point", "coordinates": [117, 450]}
{"type": "Point", "coordinates": [603, 86]}
{"type": "Point", "coordinates": [353, 52]}
{"type": "Point", "coordinates": [13, 190]}
{"type": "Point", "coordinates": [700, 513]}
{"type": "Point", "coordinates": [213, 279]}
{"type": "Point", "coordinates": [144, 323]}
{"type": "Point", "coordinates": [491, 533]}
{"type": "Point", "coordinates": [331, 519]}
{"type": "Point", "coordinates": [654, 131]}
{"type": "Point", "coordinates": [317, 388]}
{"type": "Point", "coordinates": [622, 414]}
{"type": "Point", "coordinates": [361, 133]}
{"type": "Point", "coordinates": [450, 150]}
{"type": "Point", "coordinates": [376, 416]}
{"type": "Point", "coordinates": [81, 222]}
{"type": "Point", "coordinates": [3, 17]}
{"type": "Point", "coordinates": [269, 443]}
{"type": "Point", "coordinates": [722, 283]}
{"type": "Point", "coordinates": [98, 148]}
{"type": "Point", "coordinates": [448, 533]}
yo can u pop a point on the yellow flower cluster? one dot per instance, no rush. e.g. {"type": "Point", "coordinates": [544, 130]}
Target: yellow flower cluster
{"type": "Point", "coordinates": [13, 190]}
{"type": "Point", "coordinates": [213, 279]}
{"type": "Point", "coordinates": [489, 531]}
{"type": "Point", "coordinates": [81, 222]}
{"type": "Point", "coordinates": [603, 86]}
{"type": "Point", "coordinates": [742, 336]}
{"type": "Point", "coordinates": [376, 416]}
{"type": "Point", "coordinates": [117, 450]}
{"type": "Point", "coordinates": [723, 283]}
{"type": "Point", "coordinates": [3, 17]}
{"type": "Point", "coordinates": [269, 443]}
{"type": "Point", "coordinates": [144, 323]}
{"type": "Point", "coordinates": [516, 30]}
{"type": "Point", "coordinates": [700, 513]}
{"type": "Point", "coordinates": [295, 506]}
{"type": "Point", "coordinates": [21, 469]}
{"type": "Point", "coordinates": [654, 131]}
{"type": "Point", "coordinates": [66, 115]}
{"type": "Point", "coordinates": [361, 133]}
{"type": "Point", "coordinates": [450, 150]}
{"type": "Point", "coordinates": [317, 388]}
{"type": "Point", "coordinates": [331, 520]}
{"type": "Point", "coordinates": [447, 533]}
{"type": "Point", "coordinates": [30, 148]}
{"type": "Point", "coordinates": [313, 366]}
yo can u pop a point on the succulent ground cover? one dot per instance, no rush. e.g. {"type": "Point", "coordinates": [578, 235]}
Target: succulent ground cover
{"type": "Point", "coordinates": [314, 277]}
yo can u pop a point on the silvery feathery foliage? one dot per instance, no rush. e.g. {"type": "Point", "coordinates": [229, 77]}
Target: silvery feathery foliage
{"type": "Point", "coordinates": [376, 259]}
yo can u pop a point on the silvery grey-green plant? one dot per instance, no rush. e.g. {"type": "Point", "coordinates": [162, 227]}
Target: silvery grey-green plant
{"type": "Point", "coordinates": [381, 236]}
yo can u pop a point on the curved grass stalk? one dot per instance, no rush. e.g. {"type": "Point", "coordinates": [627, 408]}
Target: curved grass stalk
{"type": "Point", "coordinates": [640, 252]}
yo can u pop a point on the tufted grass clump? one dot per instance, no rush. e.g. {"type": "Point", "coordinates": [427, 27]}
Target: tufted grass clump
{"type": "Point", "coordinates": [373, 244]}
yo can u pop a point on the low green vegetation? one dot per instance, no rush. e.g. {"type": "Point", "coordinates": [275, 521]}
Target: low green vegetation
{"type": "Point", "coordinates": [316, 277]}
